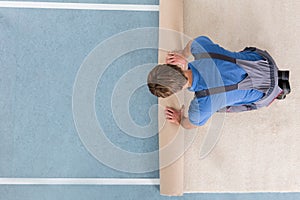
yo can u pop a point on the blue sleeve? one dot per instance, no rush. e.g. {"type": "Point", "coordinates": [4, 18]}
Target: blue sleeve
{"type": "Point", "coordinates": [203, 44]}
{"type": "Point", "coordinates": [197, 117]}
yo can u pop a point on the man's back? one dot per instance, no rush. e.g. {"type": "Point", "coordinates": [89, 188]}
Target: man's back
{"type": "Point", "coordinates": [210, 73]}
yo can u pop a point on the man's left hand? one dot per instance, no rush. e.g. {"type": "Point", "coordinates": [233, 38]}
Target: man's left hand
{"type": "Point", "coordinates": [173, 115]}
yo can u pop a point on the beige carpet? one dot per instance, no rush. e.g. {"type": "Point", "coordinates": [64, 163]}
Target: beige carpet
{"type": "Point", "coordinates": [258, 151]}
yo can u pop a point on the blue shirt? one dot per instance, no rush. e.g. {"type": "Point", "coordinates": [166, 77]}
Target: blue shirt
{"type": "Point", "coordinates": [210, 73]}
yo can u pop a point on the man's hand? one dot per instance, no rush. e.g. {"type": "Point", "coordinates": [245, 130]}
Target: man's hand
{"type": "Point", "coordinates": [174, 58]}
{"type": "Point", "coordinates": [174, 116]}
{"type": "Point", "coordinates": [177, 117]}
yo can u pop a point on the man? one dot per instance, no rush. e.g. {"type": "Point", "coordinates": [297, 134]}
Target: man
{"type": "Point", "coordinates": [222, 80]}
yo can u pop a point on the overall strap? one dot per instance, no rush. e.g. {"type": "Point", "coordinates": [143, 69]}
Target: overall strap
{"type": "Point", "coordinates": [215, 56]}
{"type": "Point", "coordinates": [216, 90]}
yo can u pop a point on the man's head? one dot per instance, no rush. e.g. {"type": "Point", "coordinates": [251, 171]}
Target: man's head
{"type": "Point", "coordinates": [165, 80]}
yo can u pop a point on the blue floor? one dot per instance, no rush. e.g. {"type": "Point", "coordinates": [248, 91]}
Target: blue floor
{"type": "Point", "coordinates": [41, 51]}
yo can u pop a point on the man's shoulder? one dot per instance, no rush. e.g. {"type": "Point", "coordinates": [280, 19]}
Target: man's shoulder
{"type": "Point", "coordinates": [203, 40]}
{"type": "Point", "coordinates": [201, 44]}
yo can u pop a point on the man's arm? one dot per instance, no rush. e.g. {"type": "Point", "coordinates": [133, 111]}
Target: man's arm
{"type": "Point", "coordinates": [177, 117]}
{"type": "Point", "coordinates": [186, 52]}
